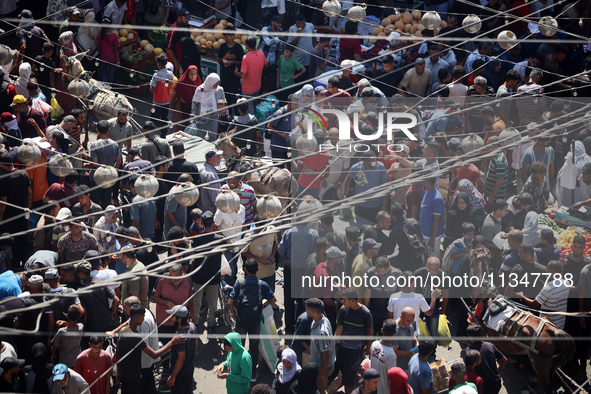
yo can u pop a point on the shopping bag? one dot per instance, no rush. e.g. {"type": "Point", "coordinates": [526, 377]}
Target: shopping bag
{"type": "Point", "coordinates": [56, 109]}
{"type": "Point", "coordinates": [41, 106]}
{"type": "Point", "coordinates": [423, 330]}
{"type": "Point", "coordinates": [443, 332]}
{"type": "Point", "coordinates": [226, 269]}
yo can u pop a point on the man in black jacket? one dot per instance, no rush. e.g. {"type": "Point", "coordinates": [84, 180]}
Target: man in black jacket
{"type": "Point", "coordinates": [206, 277]}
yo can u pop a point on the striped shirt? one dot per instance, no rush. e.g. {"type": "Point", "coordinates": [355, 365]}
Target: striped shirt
{"type": "Point", "coordinates": [497, 168]}
{"type": "Point", "coordinates": [530, 100]}
{"type": "Point", "coordinates": [248, 199]}
{"type": "Point", "coordinates": [554, 298]}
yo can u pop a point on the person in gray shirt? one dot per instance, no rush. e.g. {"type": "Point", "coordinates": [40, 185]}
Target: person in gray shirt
{"type": "Point", "coordinates": [322, 350]}
{"type": "Point", "coordinates": [404, 348]}
{"type": "Point", "coordinates": [210, 180]}
{"type": "Point", "coordinates": [104, 151]}
{"type": "Point", "coordinates": [175, 214]}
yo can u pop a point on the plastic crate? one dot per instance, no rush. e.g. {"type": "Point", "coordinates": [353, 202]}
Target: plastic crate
{"type": "Point", "coordinates": [141, 64]}
{"type": "Point", "coordinates": [128, 42]}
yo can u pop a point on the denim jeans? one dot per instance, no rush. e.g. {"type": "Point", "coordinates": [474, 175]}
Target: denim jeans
{"type": "Point", "coordinates": [108, 71]}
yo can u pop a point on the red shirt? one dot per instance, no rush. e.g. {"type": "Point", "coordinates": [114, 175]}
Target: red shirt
{"type": "Point", "coordinates": [91, 368]}
{"type": "Point", "coordinates": [322, 270]}
{"type": "Point", "coordinates": [58, 192]}
{"type": "Point", "coordinates": [349, 47]}
{"type": "Point", "coordinates": [312, 166]}
{"type": "Point", "coordinates": [470, 172]}
{"type": "Point", "coordinates": [471, 377]}
{"type": "Point", "coordinates": [253, 64]}
{"type": "Point", "coordinates": [178, 295]}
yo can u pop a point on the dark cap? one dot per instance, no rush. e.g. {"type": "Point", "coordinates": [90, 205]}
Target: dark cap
{"type": "Point", "coordinates": [370, 374]}
{"type": "Point", "coordinates": [183, 12]}
{"type": "Point", "coordinates": [25, 14]}
{"type": "Point", "coordinates": [370, 243]}
{"type": "Point", "coordinates": [84, 267]}
{"type": "Point", "coordinates": [11, 362]}
{"type": "Point", "coordinates": [93, 257]}
{"type": "Point", "coordinates": [213, 152]}
{"type": "Point", "coordinates": [454, 144]}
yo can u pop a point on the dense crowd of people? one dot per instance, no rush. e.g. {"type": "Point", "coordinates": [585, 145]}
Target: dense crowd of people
{"type": "Point", "coordinates": [500, 138]}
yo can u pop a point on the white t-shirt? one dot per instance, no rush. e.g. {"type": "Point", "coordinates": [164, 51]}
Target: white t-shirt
{"type": "Point", "coordinates": [149, 326]}
{"type": "Point", "coordinates": [382, 358]}
{"type": "Point", "coordinates": [230, 223]}
{"type": "Point", "coordinates": [399, 301]}
{"type": "Point", "coordinates": [8, 351]}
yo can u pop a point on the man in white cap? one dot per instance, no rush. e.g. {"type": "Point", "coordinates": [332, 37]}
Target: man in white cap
{"type": "Point", "coordinates": [211, 180]}
{"type": "Point", "coordinates": [181, 355]}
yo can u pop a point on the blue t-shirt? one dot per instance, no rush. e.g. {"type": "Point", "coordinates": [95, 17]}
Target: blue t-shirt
{"type": "Point", "coordinates": [432, 204]}
{"type": "Point", "coordinates": [281, 123]}
{"type": "Point", "coordinates": [458, 248]}
{"type": "Point", "coordinates": [364, 179]}
{"type": "Point", "coordinates": [419, 375]}
{"type": "Point", "coordinates": [10, 284]}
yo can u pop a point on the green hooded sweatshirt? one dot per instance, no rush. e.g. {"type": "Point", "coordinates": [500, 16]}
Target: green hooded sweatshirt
{"type": "Point", "coordinates": [238, 366]}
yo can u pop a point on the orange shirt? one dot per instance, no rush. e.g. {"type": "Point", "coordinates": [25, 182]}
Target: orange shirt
{"type": "Point", "coordinates": [38, 174]}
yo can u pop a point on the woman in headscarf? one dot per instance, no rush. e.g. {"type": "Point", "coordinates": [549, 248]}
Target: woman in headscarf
{"type": "Point", "coordinates": [69, 49]}
{"type": "Point", "coordinates": [108, 43]}
{"type": "Point", "coordinates": [183, 92]}
{"type": "Point", "coordinates": [582, 191]}
{"type": "Point", "coordinates": [491, 73]}
{"type": "Point", "coordinates": [306, 383]}
{"type": "Point", "coordinates": [531, 230]}
{"type": "Point", "coordinates": [398, 381]}
{"type": "Point", "coordinates": [87, 34]}
{"type": "Point", "coordinates": [104, 230]}
{"type": "Point", "coordinates": [205, 104]}
{"type": "Point", "coordinates": [476, 200]}
{"type": "Point", "coordinates": [24, 72]}
{"type": "Point", "coordinates": [38, 375]}
{"type": "Point", "coordinates": [306, 96]}
{"type": "Point", "coordinates": [288, 371]}
{"type": "Point", "coordinates": [189, 56]}
{"type": "Point", "coordinates": [460, 212]}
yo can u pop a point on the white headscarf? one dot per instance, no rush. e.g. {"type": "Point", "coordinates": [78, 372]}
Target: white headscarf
{"type": "Point", "coordinates": [531, 229]}
{"type": "Point", "coordinates": [205, 94]}
{"type": "Point", "coordinates": [24, 72]}
{"type": "Point", "coordinates": [285, 375]}
{"type": "Point", "coordinates": [565, 196]}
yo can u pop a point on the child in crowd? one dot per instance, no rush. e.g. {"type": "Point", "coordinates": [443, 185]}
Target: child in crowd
{"type": "Point", "coordinates": [197, 227]}
{"type": "Point", "coordinates": [288, 70]}
{"type": "Point", "coordinates": [66, 341]}
{"type": "Point", "coordinates": [538, 186]}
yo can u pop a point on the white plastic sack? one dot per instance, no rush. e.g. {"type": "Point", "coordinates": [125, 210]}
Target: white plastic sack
{"type": "Point", "coordinates": [268, 345]}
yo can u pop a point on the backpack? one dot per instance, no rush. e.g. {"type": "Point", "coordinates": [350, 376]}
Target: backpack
{"type": "Point", "coordinates": [249, 305]}
{"type": "Point", "coordinates": [446, 263]}
{"type": "Point", "coordinates": [416, 240]}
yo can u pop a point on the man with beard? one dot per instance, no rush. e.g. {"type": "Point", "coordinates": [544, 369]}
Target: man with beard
{"type": "Point", "coordinates": [68, 381]}
{"type": "Point", "coordinates": [181, 356]}
{"type": "Point", "coordinates": [9, 379]}
{"type": "Point", "coordinates": [26, 112]}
